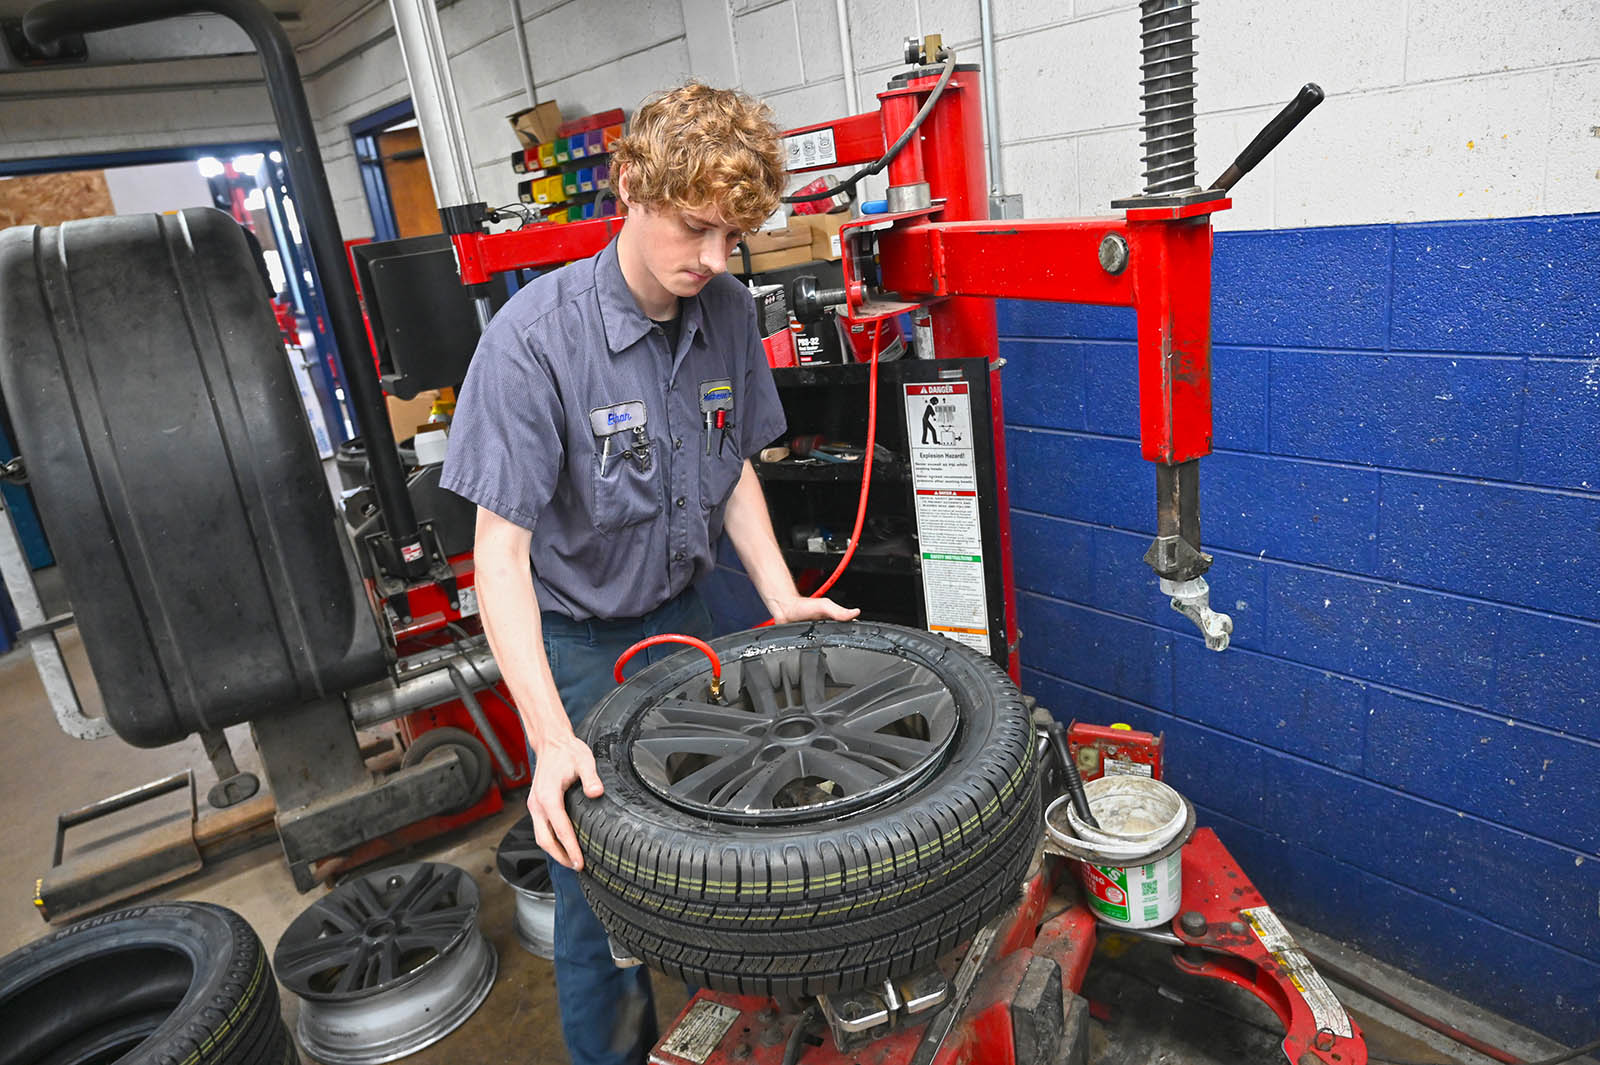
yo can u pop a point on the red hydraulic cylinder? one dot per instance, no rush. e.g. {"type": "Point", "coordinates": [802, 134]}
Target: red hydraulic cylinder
{"type": "Point", "coordinates": [899, 108]}
{"type": "Point", "coordinates": [964, 326]}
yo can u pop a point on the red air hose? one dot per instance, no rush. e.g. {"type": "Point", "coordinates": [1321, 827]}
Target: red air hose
{"type": "Point", "coordinates": [673, 637]}
{"type": "Point", "coordinates": [849, 551]}
{"type": "Point", "coordinates": [866, 464]}
{"type": "Point", "coordinates": [866, 470]}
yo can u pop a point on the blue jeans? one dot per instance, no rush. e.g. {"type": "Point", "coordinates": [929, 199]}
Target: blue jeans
{"type": "Point", "coordinates": [607, 1014]}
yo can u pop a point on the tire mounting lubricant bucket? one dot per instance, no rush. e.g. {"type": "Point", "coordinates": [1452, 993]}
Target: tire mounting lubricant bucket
{"type": "Point", "coordinates": [1132, 865]}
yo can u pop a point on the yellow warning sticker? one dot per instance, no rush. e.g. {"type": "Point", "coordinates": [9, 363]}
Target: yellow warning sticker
{"type": "Point", "coordinates": [1326, 1008]}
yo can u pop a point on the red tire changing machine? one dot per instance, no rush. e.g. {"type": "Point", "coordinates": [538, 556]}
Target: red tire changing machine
{"type": "Point", "coordinates": [936, 256]}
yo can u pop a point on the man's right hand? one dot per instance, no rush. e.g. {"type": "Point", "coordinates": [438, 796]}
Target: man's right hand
{"type": "Point", "coordinates": [559, 764]}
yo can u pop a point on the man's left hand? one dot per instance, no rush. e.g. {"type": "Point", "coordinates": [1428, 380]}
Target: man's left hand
{"type": "Point", "coordinates": [803, 608]}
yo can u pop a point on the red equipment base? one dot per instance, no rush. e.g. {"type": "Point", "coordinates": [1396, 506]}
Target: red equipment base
{"type": "Point", "coordinates": [1008, 1022]}
{"type": "Point", "coordinates": [432, 616]}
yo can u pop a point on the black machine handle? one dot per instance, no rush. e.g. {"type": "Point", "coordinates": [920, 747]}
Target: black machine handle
{"type": "Point", "coordinates": [48, 24]}
{"type": "Point", "coordinates": [1304, 102]}
{"type": "Point", "coordinates": [122, 801]}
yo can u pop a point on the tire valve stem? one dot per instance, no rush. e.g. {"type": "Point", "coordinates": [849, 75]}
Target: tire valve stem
{"type": "Point", "coordinates": [716, 688]}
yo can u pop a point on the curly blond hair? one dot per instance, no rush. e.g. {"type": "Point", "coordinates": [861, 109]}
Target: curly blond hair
{"type": "Point", "coordinates": [695, 147]}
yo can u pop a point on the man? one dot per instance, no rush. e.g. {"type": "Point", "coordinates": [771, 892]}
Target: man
{"type": "Point", "coordinates": [605, 430]}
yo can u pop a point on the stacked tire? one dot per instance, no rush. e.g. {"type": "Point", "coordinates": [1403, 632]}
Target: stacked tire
{"type": "Point", "coordinates": [176, 982]}
{"type": "Point", "coordinates": [814, 894]}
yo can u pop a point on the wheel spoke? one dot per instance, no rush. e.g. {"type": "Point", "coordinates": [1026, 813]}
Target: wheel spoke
{"type": "Point", "coordinates": [903, 751]}
{"type": "Point", "coordinates": [297, 965]}
{"type": "Point", "coordinates": [700, 785]}
{"type": "Point", "coordinates": [354, 976]}
{"type": "Point", "coordinates": [435, 943]}
{"type": "Point", "coordinates": [813, 677]}
{"type": "Point", "coordinates": [757, 683]}
{"type": "Point", "coordinates": [665, 746]}
{"type": "Point", "coordinates": [928, 702]}
{"type": "Point", "coordinates": [427, 890]}
{"type": "Point", "coordinates": [363, 902]}
{"type": "Point", "coordinates": [865, 695]}
{"type": "Point", "coordinates": [449, 919]}
{"type": "Point", "coordinates": [519, 854]}
{"type": "Point", "coordinates": [856, 774]}
{"type": "Point", "coordinates": [707, 715]}
{"type": "Point", "coordinates": [761, 786]}
{"type": "Point", "coordinates": [387, 961]}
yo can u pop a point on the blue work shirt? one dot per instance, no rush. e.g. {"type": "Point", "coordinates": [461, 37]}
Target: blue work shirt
{"type": "Point", "coordinates": [571, 362]}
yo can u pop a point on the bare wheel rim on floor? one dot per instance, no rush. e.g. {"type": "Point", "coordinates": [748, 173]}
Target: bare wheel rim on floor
{"type": "Point", "coordinates": [803, 734]}
{"type": "Point", "coordinates": [387, 963]}
{"type": "Point", "coordinates": [525, 868]}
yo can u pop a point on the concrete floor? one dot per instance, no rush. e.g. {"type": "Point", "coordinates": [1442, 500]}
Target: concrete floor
{"type": "Point", "coordinates": [1154, 1013]}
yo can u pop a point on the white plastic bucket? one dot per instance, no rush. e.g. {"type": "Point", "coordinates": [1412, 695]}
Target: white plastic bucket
{"type": "Point", "coordinates": [1138, 886]}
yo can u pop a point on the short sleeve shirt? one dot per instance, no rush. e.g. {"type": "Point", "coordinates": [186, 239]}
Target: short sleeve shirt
{"type": "Point", "coordinates": [578, 423]}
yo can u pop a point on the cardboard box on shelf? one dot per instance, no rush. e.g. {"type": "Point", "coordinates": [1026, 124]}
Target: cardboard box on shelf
{"type": "Point", "coordinates": [777, 260]}
{"type": "Point", "coordinates": [794, 235]}
{"type": "Point", "coordinates": [824, 230]}
{"type": "Point", "coordinates": [536, 124]}
{"type": "Point", "coordinates": [406, 414]}
{"type": "Point", "coordinates": [771, 249]}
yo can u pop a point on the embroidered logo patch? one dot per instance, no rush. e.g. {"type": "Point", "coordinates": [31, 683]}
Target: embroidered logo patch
{"type": "Point", "coordinates": [716, 395]}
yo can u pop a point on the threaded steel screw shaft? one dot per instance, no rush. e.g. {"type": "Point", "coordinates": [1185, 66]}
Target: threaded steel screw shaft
{"type": "Point", "coordinates": [1166, 31]}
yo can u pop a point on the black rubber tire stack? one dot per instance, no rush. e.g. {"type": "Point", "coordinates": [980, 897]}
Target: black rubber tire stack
{"type": "Point", "coordinates": [826, 906]}
{"type": "Point", "coordinates": [176, 983]}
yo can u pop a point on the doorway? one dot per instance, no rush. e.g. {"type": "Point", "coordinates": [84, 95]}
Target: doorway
{"type": "Point", "coordinates": [394, 174]}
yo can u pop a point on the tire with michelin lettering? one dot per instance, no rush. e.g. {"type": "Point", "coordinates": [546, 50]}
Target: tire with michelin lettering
{"type": "Point", "coordinates": [176, 983]}
{"type": "Point", "coordinates": [860, 800]}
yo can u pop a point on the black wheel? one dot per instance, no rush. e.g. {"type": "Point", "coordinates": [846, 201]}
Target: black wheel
{"type": "Point", "coordinates": [387, 963]}
{"type": "Point", "coordinates": [479, 770]}
{"type": "Point", "coordinates": [861, 801]}
{"type": "Point", "coordinates": [153, 985]}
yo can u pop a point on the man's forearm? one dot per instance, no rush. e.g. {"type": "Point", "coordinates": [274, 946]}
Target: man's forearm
{"type": "Point", "coordinates": [510, 614]}
{"type": "Point", "coordinates": [749, 527]}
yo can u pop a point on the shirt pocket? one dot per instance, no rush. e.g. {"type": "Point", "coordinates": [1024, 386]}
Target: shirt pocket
{"type": "Point", "coordinates": [625, 495]}
{"type": "Point", "coordinates": [718, 475]}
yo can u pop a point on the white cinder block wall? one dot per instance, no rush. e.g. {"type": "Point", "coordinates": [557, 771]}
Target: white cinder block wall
{"type": "Point", "coordinates": [1437, 109]}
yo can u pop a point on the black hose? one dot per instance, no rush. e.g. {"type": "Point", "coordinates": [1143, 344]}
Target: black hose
{"type": "Point", "coordinates": [490, 738]}
{"type": "Point", "coordinates": [1069, 766]}
{"type": "Point", "coordinates": [793, 1048]}
{"type": "Point", "coordinates": [849, 184]}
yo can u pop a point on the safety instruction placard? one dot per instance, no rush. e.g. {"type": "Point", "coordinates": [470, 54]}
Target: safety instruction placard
{"type": "Point", "coordinates": [944, 477]}
{"type": "Point", "coordinates": [698, 1032]}
{"type": "Point", "coordinates": [806, 150]}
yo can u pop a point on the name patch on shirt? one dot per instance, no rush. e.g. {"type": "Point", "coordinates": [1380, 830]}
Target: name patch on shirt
{"type": "Point", "coordinates": [619, 417]}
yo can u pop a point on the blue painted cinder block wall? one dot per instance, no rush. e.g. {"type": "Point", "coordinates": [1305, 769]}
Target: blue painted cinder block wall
{"type": "Point", "coordinates": [1402, 746]}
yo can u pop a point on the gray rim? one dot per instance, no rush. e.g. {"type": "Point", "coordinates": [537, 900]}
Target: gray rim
{"type": "Point", "coordinates": [804, 734]}
{"type": "Point", "coordinates": [526, 870]}
{"type": "Point", "coordinates": [387, 963]}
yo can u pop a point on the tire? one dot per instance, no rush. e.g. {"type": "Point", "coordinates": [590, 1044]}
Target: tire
{"type": "Point", "coordinates": [475, 763]}
{"type": "Point", "coordinates": [180, 983]}
{"type": "Point", "coordinates": [856, 884]}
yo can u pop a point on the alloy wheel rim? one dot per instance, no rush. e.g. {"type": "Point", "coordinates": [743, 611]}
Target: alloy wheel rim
{"type": "Point", "coordinates": [803, 734]}
{"type": "Point", "coordinates": [387, 963]}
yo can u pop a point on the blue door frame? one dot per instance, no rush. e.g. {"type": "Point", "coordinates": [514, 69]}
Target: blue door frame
{"type": "Point", "coordinates": [364, 131]}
